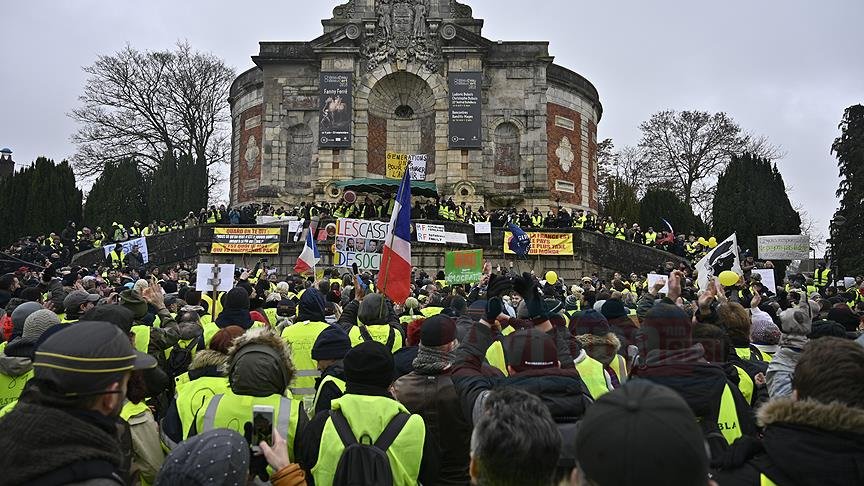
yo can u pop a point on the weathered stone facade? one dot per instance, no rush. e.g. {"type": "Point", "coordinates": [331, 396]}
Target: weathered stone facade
{"type": "Point", "coordinates": [539, 120]}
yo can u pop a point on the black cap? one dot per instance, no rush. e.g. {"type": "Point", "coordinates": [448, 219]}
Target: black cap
{"type": "Point", "coordinates": [369, 363]}
{"type": "Point", "coordinates": [641, 433]}
{"type": "Point", "coordinates": [437, 331]}
{"type": "Point", "coordinates": [531, 349]}
{"type": "Point", "coordinates": [87, 357]}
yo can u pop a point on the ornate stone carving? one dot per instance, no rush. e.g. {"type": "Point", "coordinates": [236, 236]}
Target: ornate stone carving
{"type": "Point", "coordinates": [458, 10]}
{"type": "Point", "coordinates": [251, 153]}
{"type": "Point", "coordinates": [345, 11]}
{"type": "Point", "coordinates": [402, 35]}
{"type": "Point", "coordinates": [565, 154]}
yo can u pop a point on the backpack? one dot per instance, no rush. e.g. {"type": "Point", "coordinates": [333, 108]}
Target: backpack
{"type": "Point", "coordinates": [180, 358]}
{"type": "Point", "coordinates": [363, 463]}
{"type": "Point", "coordinates": [391, 337]}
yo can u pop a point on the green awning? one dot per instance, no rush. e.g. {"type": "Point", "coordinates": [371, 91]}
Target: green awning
{"type": "Point", "coordinates": [418, 188]}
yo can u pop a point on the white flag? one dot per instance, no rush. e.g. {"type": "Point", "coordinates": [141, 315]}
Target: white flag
{"type": "Point", "coordinates": [723, 257]}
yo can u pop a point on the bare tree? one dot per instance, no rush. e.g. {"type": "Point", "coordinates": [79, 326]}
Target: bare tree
{"type": "Point", "coordinates": [762, 147]}
{"type": "Point", "coordinates": [144, 104]}
{"type": "Point", "coordinates": [689, 149]}
{"type": "Point", "coordinates": [810, 227]}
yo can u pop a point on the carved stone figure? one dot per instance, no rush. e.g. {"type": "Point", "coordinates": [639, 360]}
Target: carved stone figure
{"type": "Point", "coordinates": [402, 36]}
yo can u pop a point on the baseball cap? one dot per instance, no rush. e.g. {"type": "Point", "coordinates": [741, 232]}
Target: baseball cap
{"type": "Point", "coordinates": [78, 297]}
{"type": "Point", "coordinates": [531, 349]}
{"type": "Point", "coordinates": [85, 358]}
{"type": "Point", "coordinates": [656, 437]}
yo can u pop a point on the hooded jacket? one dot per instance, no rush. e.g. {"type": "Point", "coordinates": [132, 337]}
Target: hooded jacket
{"type": "Point", "coordinates": [259, 364]}
{"type": "Point", "coordinates": [780, 370]}
{"type": "Point", "coordinates": [207, 363]}
{"type": "Point", "coordinates": [806, 443]}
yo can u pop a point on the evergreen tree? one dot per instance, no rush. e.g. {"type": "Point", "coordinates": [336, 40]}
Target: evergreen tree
{"type": "Point", "coordinates": [659, 204]}
{"type": "Point", "coordinates": [119, 194]}
{"type": "Point", "coordinates": [178, 186]}
{"type": "Point", "coordinates": [620, 203]}
{"type": "Point", "coordinates": [847, 240]}
{"type": "Point", "coordinates": [751, 200]}
{"type": "Point", "coordinates": [38, 200]}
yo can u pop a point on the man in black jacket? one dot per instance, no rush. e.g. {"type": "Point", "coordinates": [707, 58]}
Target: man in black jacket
{"type": "Point", "coordinates": [429, 392]}
{"type": "Point", "coordinates": [814, 437]}
{"type": "Point", "coordinates": [69, 410]}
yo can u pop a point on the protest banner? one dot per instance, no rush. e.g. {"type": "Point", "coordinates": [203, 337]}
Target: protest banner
{"type": "Point", "coordinates": [550, 244]}
{"type": "Point", "coordinates": [127, 247]}
{"type": "Point", "coordinates": [653, 278]}
{"type": "Point", "coordinates": [483, 228]}
{"type": "Point", "coordinates": [767, 279]}
{"type": "Point", "coordinates": [238, 240]}
{"type": "Point", "coordinates": [461, 267]}
{"type": "Point", "coordinates": [723, 257]}
{"type": "Point", "coordinates": [431, 233]}
{"type": "Point", "coordinates": [783, 247]}
{"type": "Point", "coordinates": [359, 241]}
{"type": "Point", "coordinates": [396, 163]}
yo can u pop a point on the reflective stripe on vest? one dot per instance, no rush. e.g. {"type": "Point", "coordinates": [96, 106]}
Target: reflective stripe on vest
{"type": "Point", "coordinates": [591, 372]}
{"type": "Point", "coordinates": [368, 416]}
{"type": "Point", "coordinates": [12, 386]}
{"type": "Point", "coordinates": [192, 395]}
{"type": "Point", "coordinates": [301, 338]}
{"type": "Point", "coordinates": [230, 411]}
{"type": "Point", "coordinates": [727, 418]}
{"type": "Point", "coordinates": [340, 384]}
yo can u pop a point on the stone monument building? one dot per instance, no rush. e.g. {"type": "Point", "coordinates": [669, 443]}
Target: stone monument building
{"type": "Point", "coordinates": [498, 123]}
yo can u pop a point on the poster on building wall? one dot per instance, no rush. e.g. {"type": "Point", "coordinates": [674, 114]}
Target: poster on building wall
{"type": "Point", "coordinates": [335, 110]}
{"type": "Point", "coordinates": [359, 241]}
{"type": "Point", "coordinates": [252, 241]}
{"type": "Point", "coordinates": [551, 244]}
{"type": "Point", "coordinates": [397, 163]}
{"type": "Point", "coordinates": [465, 123]}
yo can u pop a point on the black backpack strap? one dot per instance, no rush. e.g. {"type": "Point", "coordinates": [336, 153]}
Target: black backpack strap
{"type": "Point", "coordinates": [364, 333]}
{"type": "Point", "coordinates": [391, 338]}
{"type": "Point", "coordinates": [755, 353]}
{"type": "Point", "coordinates": [393, 429]}
{"type": "Point", "coordinates": [342, 428]}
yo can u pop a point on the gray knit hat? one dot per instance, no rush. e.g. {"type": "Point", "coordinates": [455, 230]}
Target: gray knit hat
{"type": "Point", "coordinates": [218, 456]}
{"type": "Point", "coordinates": [20, 315]}
{"type": "Point", "coordinates": [37, 323]}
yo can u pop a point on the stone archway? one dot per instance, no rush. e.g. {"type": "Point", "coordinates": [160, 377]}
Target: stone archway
{"type": "Point", "coordinates": [400, 111]}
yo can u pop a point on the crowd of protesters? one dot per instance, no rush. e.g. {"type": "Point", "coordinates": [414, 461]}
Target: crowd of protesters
{"type": "Point", "coordinates": [122, 376]}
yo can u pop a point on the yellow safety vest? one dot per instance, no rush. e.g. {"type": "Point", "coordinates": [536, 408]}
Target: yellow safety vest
{"type": "Point", "coordinates": [368, 417]}
{"type": "Point", "coordinates": [747, 353]}
{"type": "Point", "coordinates": [272, 316]}
{"type": "Point", "coordinates": [619, 367]}
{"type": "Point", "coordinates": [727, 418]}
{"type": "Point", "coordinates": [591, 372]}
{"type": "Point", "coordinates": [12, 386]}
{"type": "Point", "coordinates": [431, 311]}
{"type": "Point", "coordinates": [192, 395]}
{"type": "Point", "coordinates": [130, 409]}
{"type": "Point", "coordinates": [821, 279]}
{"type": "Point", "coordinates": [142, 337]}
{"type": "Point", "coordinates": [409, 319]}
{"type": "Point", "coordinates": [301, 337]}
{"type": "Point", "coordinates": [117, 260]}
{"type": "Point", "coordinates": [610, 229]}
{"type": "Point", "coordinates": [650, 238]}
{"type": "Point", "coordinates": [745, 384]}
{"type": "Point", "coordinates": [380, 333]}
{"type": "Point", "coordinates": [210, 329]}
{"type": "Point", "coordinates": [579, 223]}
{"type": "Point", "coordinates": [495, 353]}
{"type": "Point", "coordinates": [340, 384]}
{"type": "Point", "coordinates": [765, 480]}
{"type": "Point", "coordinates": [231, 411]}
{"type": "Point", "coordinates": [213, 308]}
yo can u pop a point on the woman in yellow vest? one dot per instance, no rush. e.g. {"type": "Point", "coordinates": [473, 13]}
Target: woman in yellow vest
{"type": "Point", "coordinates": [260, 371]}
{"type": "Point", "coordinates": [365, 412]}
{"type": "Point", "coordinates": [205, 378]}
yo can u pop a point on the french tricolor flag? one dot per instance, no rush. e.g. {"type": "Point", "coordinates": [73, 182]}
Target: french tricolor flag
{"type": "Point", "coordinates": [309, 257]}
{"type": "Point", "coordinates": [395, 278]}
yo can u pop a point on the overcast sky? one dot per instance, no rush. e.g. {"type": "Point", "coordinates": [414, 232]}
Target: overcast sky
{"type": "Point", "coordinates": [783, 68]}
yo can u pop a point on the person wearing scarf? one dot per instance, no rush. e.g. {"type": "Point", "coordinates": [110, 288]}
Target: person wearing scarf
{"type": "Point", "coordinates": [235, 309]}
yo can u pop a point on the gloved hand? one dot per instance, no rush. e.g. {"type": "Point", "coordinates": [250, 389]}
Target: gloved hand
{"type": "Point", "coordinates": [498, 285]}
{"type": "Point", "coordinates": [529, 289]}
